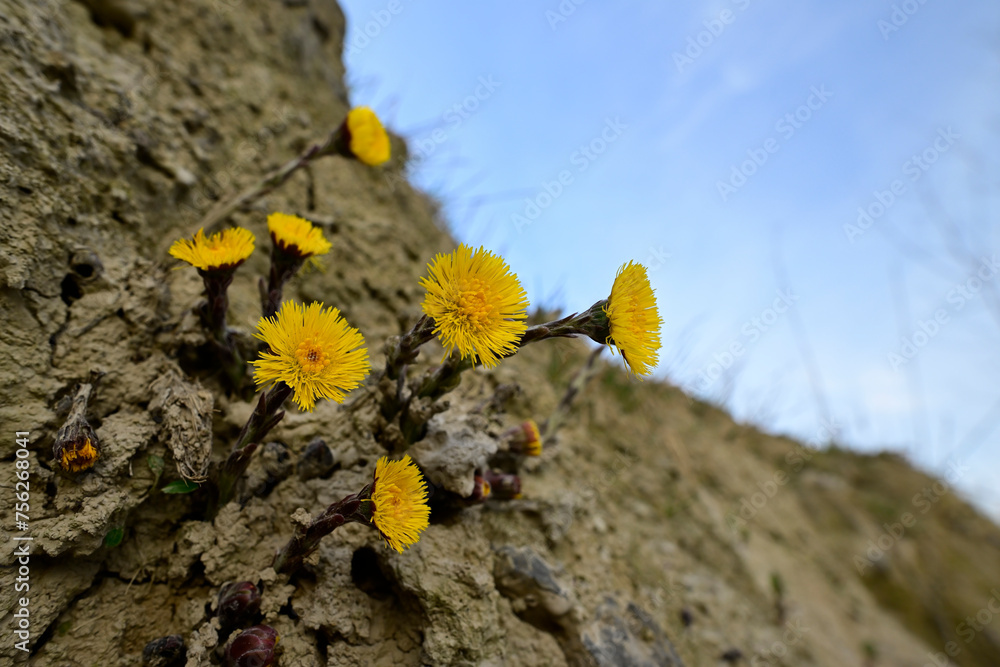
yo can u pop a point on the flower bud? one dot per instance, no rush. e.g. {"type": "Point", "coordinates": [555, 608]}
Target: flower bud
{"type": "Point", "coordinates": [503, 486]}
{"type": "Point", "coordinates": [165, 652]}
{"type": "Point", "coordinates": [252, 648]}
{"type": "Point", "coordinates": [481, 491]}
{"type": "Point", "coordinates": [524, 438]}
{"type": "Point", "coordinates": [77, 447]}
{"type": "Point", "coordinates": [239, 603]}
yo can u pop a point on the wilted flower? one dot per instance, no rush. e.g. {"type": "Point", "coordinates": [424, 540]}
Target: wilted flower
{"type": "Point", "coordinates": [367, 139]}
{"type": "Point", "coordinates": [313, 351]}
{"type": "Point", "coordinates": [77, 446]}
{"type": "Point", "coordinates": [224, 250]}
{"type": "Point", "coordinates": [399, 498]}
{"type": "Point", "coordinates": [477, 304]}
{"type": "Point", "coordinates": [633, 319]}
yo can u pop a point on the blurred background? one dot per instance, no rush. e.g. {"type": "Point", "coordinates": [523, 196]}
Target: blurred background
{"type": "Point", "coordinates": [813, 187]}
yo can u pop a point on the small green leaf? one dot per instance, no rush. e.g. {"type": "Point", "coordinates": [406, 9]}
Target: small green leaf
{"type": "Point", "coordinates": [155, 464]}
{"type": "Point", "coordinates": [114, 537]}
{"type": "Point", "coordinates": [180, 486]}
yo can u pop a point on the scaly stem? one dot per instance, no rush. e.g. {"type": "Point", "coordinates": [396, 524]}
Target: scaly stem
{"type": "Point", "coordinates": [265, 416]}
{"type": "Point", "coordinates": [306, 539]}
{"type": "Point", "coordinates": [213, 316]}
{"type": "Point", "coordinates": [334, 143]}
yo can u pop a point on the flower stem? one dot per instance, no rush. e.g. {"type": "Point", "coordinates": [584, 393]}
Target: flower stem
{"type": "Point", "coordinates": [330, 145]}
{"type": "Point", "coordinates": [401, 351]}
{"type": "Point", "coordinates": [213, 316]}
{"type": "Point", "coordinates": [592, 323]}
{"type": "Point", "coordinates": [306, 538]}
{"type": "Point", "coordinates": [265, 416]}
{"type": "Point", "coordinates": [284, 265]}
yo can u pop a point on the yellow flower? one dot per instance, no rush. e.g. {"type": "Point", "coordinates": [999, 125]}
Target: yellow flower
{"type": "Point", "coordinates": [399, 496]}
{"type": "Point", "coordinates": [634, 320]}
{"type": "Point", "coordinates": [369, 140]}
{"type": "Point", "coordinates": [477, 304]}
{"type": "Point", "coordinates": [297, 235]}
{"type": "Point", "coordinates": [224, 250]}
{"type": "Point", "coordinates": [313, 351]}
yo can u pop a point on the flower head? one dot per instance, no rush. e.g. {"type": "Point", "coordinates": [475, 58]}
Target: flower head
{"type": "Point", "coordinates": [76, 446]}
{"type": "Point", "coordinates": [634, 320]}
{"type": "Point", "coordinates": [477, 304]}
{"type": "Point", "coordinates": [369, 141]}
{"type": "Point", "coordinates": [223, 250]}
{"type": "Point", "coordinates": [399, 497]}
{"type": "Point", "coordinates": [296, 235]}
{"type": "Point", "coordinates": [313, 351]}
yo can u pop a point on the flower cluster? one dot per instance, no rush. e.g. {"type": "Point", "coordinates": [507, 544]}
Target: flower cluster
{"type": "Point", "coordinates": [473, 304]}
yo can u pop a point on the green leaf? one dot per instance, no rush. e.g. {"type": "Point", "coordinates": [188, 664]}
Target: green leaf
{"type": "Point", "coordinates": [155, 464]}
{"type": "Point", "coordinates": [180, 486]}
{"type": "Point", "coordinates": [114, 537]}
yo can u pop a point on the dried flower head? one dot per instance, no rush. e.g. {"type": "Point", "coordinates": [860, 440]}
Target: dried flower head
{"type": "Point", "coordinates": [312, 350]}
{"type": "Point", "coordinates": [477, 304]}
{"type": "Point", "coordinates": [224, 250]}
{"type": "Point", "coordinates": [634, 320]}
{"type": "Point", "coordinates": [297, 236]}
{"type": "Point", "coordinates": [399, 499]}
{"type": "Point", "coordinates": [77, 446]}
{"type": "Point", "coordinates": [369, 141]}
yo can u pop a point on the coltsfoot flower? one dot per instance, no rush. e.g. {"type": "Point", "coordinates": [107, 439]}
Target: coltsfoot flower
{"type": "Point", "coordinates": [399, 499]}
{"type": "Point", "coordinates": [395, 504]}
{"type": "Point", "coordinates": [633, 319]}
{"type": "Point", "coordinates": [477, 304]}
{"type": "Point", "coordinates": [314, 351]}
{"type": "Point", "coordinates": [297, 236]}
{"type": "Point", "coordinates": [224, 250]}
{"type": "Point", "coordinates": [368, 140]}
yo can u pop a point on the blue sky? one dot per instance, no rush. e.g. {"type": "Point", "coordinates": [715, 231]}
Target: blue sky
{"type": "Point", "coordinates": [729, 147]}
